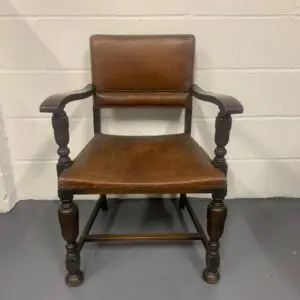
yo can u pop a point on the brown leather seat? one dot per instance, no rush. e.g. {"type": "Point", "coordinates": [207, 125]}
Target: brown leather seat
{"type": "Point", "coordinates": [155, 164]}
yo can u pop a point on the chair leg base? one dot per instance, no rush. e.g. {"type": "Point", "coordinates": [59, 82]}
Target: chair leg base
{"type": "Point", "coordinates": [104, 208]}
{"type": "Point", "coordinates": [74, 280]}
{"type": "Point", "coordinates": [182, 201]}
{"type": "Point", "coordinates": [104, 205]}
{"type": "Point", "coordinates": [210, 277]}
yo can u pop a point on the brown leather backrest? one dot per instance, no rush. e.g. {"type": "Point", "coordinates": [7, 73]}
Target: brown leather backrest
{"type": "Point", "coordinates": [130, 64]}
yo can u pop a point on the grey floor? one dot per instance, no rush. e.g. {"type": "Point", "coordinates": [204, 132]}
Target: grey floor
{"type": "Point", "coordinates": [260, 253]}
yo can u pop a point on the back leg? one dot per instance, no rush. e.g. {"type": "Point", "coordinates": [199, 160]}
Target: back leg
{"type": "Point", "coordinates": [182, 201]}
{"type": "Point", "coordinates": [104, 205]}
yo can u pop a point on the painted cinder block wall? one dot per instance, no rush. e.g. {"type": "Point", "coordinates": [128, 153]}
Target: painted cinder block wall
{"type": "Point", "coordinates": [249, 49]}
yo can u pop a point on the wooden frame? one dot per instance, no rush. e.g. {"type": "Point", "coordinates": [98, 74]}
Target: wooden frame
{"type": "Point", "coordinates": [68, 211]}
{"type": "Point", "coordinates": [169, 236]}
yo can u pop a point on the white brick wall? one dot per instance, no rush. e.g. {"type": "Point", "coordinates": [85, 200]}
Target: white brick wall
{"type": "Point", "coordinates": [7, 189]}
{"type": "Point", "coordinates": [249, 49]}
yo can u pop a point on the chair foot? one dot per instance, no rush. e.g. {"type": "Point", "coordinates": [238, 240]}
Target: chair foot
{"type": "Point", "coordinates": [74, 280]}
{"type": "Point", "coordinates": [104, 207]}
{"type": "Point", "coordinates": [210, 277]}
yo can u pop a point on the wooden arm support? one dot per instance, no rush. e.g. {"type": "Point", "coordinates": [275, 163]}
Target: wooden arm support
{"type": "Point", "coordinates": [227, 106]}
{"type": "Point", "coordinates": [60, 122]}
{"type": "Point", "coordinates": [57, 102]}
{"type": "Point", "coordinates": [222, 133]}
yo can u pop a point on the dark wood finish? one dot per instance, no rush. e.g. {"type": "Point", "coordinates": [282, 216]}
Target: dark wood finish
{"type": "Point", "coordinates": [188, 115]}
{"type": "Point", "coordinates": [68, 211]}
{"type": "Point", "coordinates": [142, 71]}
{"type": "Point", "coordinates": [175, 236]}
{"type": "Point", "coordinates": [68, 220]}
{"type": "Point", "coordinates": [57, 102]}
{"type": "Point", "coordinates": [226, 104]}
{"type": "Point", "coordinates": [197, 223]}
{"type": "Point", "coordinates": [97, 120]}
{"type": "Point", "coordinates": [60, 124]}
{"type": "Point", "coordinates": [216, 217]}
{"type": "Point", "coordinates": [223, 126]}
{"type": "Point", "coordinates": [103, 200]}
{"type": "Point", "coordinates": [89, 223]}
{"type": "Point", "coordinates": [182, 201]}
{"type": "Point", "coordinates": [217, 211]}
{"type": "Point", "coordinates": [156, 164]}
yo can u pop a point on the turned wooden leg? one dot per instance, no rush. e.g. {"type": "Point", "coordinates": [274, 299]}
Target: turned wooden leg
{"type": "Point", "coordinates": [68, 220]}
{"type": "Point", "coordinates": [182, 201]}
{"type": "Point", "coordinates": [216, 216]}
{"type": "Point", "coordinates": [104, 205]}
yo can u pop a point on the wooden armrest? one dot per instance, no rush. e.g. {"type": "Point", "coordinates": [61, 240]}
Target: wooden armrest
{"type": "Point", "coordinates": [226, 104]}
{"type": "Point", "coordinates": [57, 102]}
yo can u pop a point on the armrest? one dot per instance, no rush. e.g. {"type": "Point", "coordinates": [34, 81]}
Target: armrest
{"type": "Point", "coordinates": [226, 104]}
{"type": "Point", "coordinates": [57, 102]}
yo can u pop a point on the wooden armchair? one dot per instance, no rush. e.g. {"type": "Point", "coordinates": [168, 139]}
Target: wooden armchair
{"type": "Point", "coordinates": [141, 71]}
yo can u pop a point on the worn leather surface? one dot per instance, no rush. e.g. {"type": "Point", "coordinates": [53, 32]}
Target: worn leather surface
{"type": "Point", "coordinates": [142, 63]}
{"type": "Point", "coordinates": [113, 99]}
{"type": "Point", "coordinates": [130, 164]}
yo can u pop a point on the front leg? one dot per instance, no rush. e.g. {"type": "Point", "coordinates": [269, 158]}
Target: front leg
{"type": "Point", "coordinates": [68, 212]}
{"type": "Point", "coordinates": [69, 223]}
{"type": "Point", "coordinates": [217, 211]}
{"type": "Point", "coordinates": [216, 217]}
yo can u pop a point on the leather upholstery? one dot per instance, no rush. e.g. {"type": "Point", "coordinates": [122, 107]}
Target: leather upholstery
{"type": "Point", "coordinates": [114, 99]}
{"type": "Point", "coordinates": [129, 164]}
{"type": "Point", "coordinates": [142, 64]}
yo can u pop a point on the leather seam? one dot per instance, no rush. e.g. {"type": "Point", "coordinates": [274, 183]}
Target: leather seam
{"type": "Point", "coordinates": [141, 90]}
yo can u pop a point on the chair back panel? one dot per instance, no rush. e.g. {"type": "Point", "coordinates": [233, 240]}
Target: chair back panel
{"type": "Point", "coordinates": [142, 64]}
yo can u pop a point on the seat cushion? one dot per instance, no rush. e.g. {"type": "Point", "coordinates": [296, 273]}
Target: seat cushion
{"type": "Point", "coordinates": [142, 164]}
